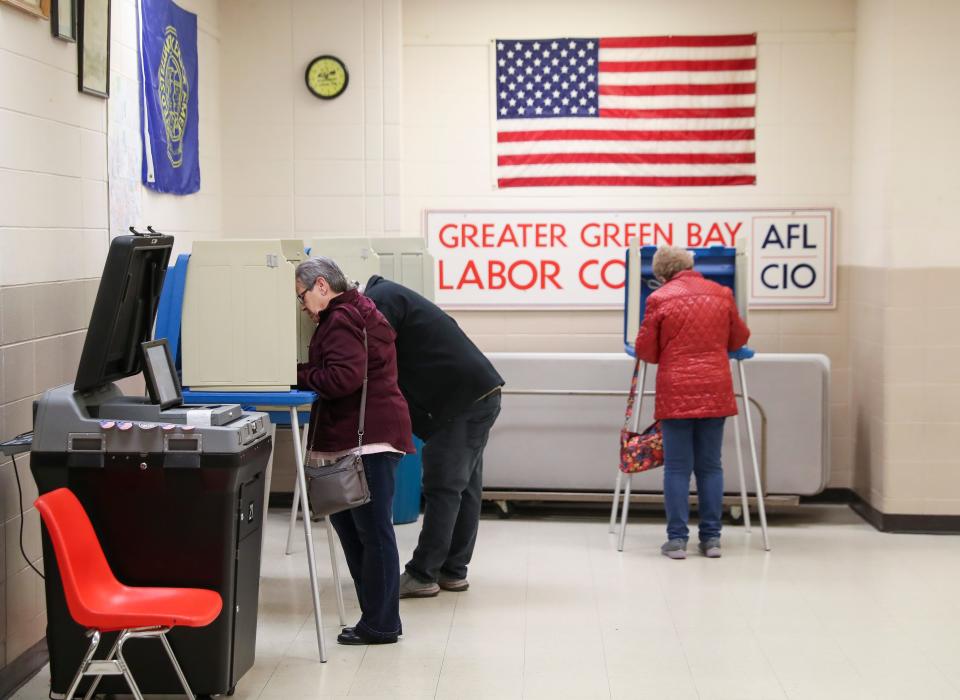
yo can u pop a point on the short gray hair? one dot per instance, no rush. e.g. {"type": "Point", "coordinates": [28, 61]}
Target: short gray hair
{"type": "Point", "coordinates": [669, 260]}
{"type": "Point", "coordinates": [309, 270]}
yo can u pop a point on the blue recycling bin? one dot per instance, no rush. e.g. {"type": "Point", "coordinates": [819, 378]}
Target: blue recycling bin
{"type": "Point", "coordinates": [406, 496]}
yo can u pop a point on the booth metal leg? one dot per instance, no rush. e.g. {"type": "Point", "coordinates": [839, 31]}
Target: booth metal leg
{"type": "Point", "coordinates": [308, 535]}
{"type": "Point", "coordinates": [753, 454]}
{"type": "Point", "coordinates": [331, 538]}
{"type": "Point", "coordinates": [743, 484]}
{"type": "Point", "coordinates": [616, 499]}
{"type": "Point", "coordinates": [641, 383]}
{"type": "Point", "coordinates": [266, 488]}
{"type": "Point", "coordinates": [623, 515]}
{"type": "Point", "coordinates": [295, 505]}
{"type": "Point", "coordinates": [335, 566]}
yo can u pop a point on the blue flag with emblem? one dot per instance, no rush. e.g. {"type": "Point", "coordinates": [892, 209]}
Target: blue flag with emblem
{"type": "Point", "coordinates": [168, 105]}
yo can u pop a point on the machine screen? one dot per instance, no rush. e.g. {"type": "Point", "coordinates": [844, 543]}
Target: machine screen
{"type": "Point", "coordinates": [161, 377]}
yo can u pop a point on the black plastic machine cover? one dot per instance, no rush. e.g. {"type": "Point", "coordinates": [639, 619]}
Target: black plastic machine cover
{"type": "Point", "coordinates": [125, 309]}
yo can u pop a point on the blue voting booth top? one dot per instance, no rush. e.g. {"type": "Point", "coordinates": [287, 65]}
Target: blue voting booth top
{"type": "Point", "coordinates": [716, 263]}
{"type": "Point", "coordinates": [169, 315]}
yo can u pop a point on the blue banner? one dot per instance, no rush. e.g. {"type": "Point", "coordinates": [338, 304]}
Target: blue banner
{"type": "Point", "coordinates": [168, 106]}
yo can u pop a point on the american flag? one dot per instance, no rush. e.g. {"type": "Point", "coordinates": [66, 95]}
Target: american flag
{"type": "Point", "coordinates": [650, 111]}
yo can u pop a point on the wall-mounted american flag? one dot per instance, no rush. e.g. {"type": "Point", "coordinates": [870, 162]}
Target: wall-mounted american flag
{"type": "Point", "coordinates": [648, 111]}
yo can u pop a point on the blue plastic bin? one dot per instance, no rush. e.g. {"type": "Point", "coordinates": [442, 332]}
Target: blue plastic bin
{"type": "Point", "coordinates": [406, 497]}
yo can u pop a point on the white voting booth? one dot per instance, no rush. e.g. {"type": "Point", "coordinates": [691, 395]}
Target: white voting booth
{"type": "Point", "coordinates": [242, 326]}
{"type": "Point", "coordinates": [243, 333]}
{"type": "Point", "coordinates": [403, 260]}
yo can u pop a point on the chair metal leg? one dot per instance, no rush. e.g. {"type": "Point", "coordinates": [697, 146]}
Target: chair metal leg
{"type": "Point", "coordinates": [91, 650]}
{"type": "Point", "coordinates": [761, 509]}
{"type": "Point", "coordinates": [114, 663]}
{"type": "Point", "coordinates": [96, 681]}
{"type": "Point", "coordinates": [616, 500]}
{"type": "Point", "coordinates": [176, 667]}
{"type": "Point", "coordinates": [745, 504]}
{"type": "Point", "coordinates": [623, 515]}
{"type": "Point", "coordinates": [124, 669]}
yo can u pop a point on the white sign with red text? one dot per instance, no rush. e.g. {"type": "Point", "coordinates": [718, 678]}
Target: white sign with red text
{"type": "Point", "coordinates": [562, 258]}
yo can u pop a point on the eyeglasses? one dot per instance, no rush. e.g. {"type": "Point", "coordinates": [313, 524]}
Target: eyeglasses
{"type": "Point", "coordinates": [302, 294]}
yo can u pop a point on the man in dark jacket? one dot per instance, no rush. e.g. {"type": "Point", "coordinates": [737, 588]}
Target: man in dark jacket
{"type": "Point", "coordinates": [453, 394]}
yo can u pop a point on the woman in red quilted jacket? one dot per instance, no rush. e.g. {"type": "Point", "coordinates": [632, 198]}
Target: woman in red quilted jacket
{"type": "Point", "coordinates": [689, 326]}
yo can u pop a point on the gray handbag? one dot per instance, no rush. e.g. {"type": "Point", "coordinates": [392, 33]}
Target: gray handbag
{"type": "Point", "coordinates": [341, 485]}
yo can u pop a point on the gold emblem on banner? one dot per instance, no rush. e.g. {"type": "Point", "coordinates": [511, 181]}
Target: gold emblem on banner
{"type": "Point", "coordinates": [174, 93]}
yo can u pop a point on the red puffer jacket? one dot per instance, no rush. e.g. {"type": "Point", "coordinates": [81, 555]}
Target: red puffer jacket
{"type": "Point", "coordinates": [689, 326]}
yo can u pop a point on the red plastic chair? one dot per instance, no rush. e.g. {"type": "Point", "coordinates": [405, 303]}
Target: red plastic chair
{"type": "Point", "coordinates": [100, 603]}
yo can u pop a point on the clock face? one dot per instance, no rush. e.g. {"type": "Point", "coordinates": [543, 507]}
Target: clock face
{"type": "Point", "coordinates": [327, 77]}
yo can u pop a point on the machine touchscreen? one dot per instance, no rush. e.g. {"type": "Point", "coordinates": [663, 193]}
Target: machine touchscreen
{"type": "Point", "coordinates": [161, 377]}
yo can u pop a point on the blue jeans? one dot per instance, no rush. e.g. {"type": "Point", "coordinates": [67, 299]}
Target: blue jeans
{"type": "Point", "coordinates": [693, 445]}
{"type": "Point", "coordinates": [370, 547]}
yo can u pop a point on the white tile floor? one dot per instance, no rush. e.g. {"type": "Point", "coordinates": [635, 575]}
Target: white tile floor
{"type": "Point", "coordinates": [836, 610]}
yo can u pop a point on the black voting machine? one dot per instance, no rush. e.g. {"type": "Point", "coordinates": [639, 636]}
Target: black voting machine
{"type": "Point", "coordinates": [175, 493]}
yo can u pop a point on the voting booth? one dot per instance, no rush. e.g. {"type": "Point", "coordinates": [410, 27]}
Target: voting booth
{"type": "Point", "coordinates": [404, 260]}
{"type": "Point", "coordinates": [408, 262]}
{"type": "Point", "coordinates": [174, 492]}
{"type": "Point", "coordinates": [242, 325]}
{"type": "Point", "coordinates": [717, 264]}
{"type": "Point", "coordinates": [355, 256]}
{"type": "Point", "coordinates": [726, 266]}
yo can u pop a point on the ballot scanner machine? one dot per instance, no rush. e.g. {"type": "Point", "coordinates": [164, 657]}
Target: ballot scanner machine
{"type": "Point", "coordinates": [175, 493]}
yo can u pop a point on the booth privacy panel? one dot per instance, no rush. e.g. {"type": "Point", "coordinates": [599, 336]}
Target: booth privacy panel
{"type": "Point", "coordinates": [403, 260]}
{"type": "Point", "coordinates": [242, 325]}
{"type": "Point", "coordinates": [551, 442]}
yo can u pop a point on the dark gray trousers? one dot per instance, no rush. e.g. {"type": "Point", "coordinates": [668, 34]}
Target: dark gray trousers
{"type": "Point", "coordinates": [452, 488]}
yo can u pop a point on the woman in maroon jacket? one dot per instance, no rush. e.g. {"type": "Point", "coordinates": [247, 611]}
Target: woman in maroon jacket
{"type": "Point", "coordinates": [335, 373]}
{"type": "Point", "coordinates": [689, 325]}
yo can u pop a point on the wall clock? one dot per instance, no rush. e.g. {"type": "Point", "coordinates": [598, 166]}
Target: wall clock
{"type": "Point", "coordinates": [326, 77]}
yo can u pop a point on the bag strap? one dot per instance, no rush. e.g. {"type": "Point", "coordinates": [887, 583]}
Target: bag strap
{"type": "Point", "coordinates": [355, 313]}
{"type": "Point", "coordinates": [632, 397]}
{"type": "Point", "coordinates": [363, 395]}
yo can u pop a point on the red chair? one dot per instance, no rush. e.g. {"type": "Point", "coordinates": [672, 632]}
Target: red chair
{"type": "Point", "coordinates": [100, 603]}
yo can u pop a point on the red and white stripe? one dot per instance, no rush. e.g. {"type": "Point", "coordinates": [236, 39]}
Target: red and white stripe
{"type": "Point", "coordinates": [674, 111]}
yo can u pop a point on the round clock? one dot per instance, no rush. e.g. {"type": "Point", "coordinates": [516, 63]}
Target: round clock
{"type": "Point", "coordinates": [326, 77]}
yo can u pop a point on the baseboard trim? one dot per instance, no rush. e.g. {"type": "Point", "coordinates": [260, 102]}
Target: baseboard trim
{"type": "Point", "coordinates": [23, 668]}
{"type": "Point", "coordinates": [831, 495]}
{"type": "Point", "coordinates": [903, 523]}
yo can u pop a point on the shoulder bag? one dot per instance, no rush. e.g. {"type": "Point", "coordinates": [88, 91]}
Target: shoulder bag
{"type": "Point", "coordinates": [341, 485]}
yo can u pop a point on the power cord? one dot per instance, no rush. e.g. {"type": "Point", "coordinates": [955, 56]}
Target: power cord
{"type": "Point", "coordinates": [23, 551]}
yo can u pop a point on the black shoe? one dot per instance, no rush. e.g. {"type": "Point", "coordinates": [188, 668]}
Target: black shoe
{"type": "Point", "coordinates": [353, 636]}
{"type": "Point", "coordinates": [349, 630]}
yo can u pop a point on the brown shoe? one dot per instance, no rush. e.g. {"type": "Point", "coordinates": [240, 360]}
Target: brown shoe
{"type": "Point", "coordinates": [412, 588]}
{"type": "Point", "coordinates": [457, 585]}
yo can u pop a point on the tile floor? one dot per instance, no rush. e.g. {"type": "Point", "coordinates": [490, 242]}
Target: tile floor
{"type": "Point", "coordinates": [836, 610]}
